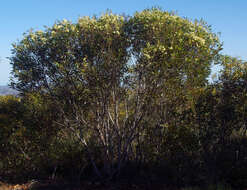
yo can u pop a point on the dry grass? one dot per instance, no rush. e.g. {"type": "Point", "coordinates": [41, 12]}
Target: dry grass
{"type": "Point", "coordinates": [55, 185]}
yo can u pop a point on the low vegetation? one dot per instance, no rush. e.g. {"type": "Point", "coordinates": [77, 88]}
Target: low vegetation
{"type": "Point", "coordinates": [125, 101]}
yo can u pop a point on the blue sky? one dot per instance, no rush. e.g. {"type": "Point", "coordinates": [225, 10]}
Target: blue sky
{"type": "Point", "coordinates": [229, 17]}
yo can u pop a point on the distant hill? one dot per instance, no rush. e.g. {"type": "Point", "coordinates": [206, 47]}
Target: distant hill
{"type": "Point", "coordinates": [6, 90]}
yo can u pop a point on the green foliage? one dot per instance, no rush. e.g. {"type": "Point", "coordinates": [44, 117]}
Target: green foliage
{"type": "Point", "coordinates": [170, 47]}
{"type": "Point", "coordinates": [26, 133]}
{"type": "Point", "coordinates": [115, 94]}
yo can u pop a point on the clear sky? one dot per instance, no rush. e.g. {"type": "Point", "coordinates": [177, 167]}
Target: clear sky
{"type": "Point", "coordinates": [229, 17]}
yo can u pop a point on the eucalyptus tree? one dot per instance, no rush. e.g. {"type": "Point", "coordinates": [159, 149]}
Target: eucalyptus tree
{"type": "Point", "coordinates": [83, 68]}
{"type": "Point", "coordinates": [173, 59]}
{"type": "Point", "coordinates": [113, 76]}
